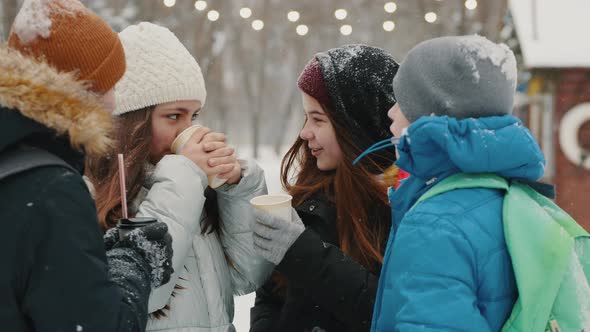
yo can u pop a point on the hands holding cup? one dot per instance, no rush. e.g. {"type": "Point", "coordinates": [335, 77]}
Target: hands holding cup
{"type": "Point", "coordinates": [146, 237]}
{"type": "Point", "coordinates": [210, 152]}
{"type": "Point", "coordinates": [222, 154]}
{"type": "Point", "coordinates": [276, 226]}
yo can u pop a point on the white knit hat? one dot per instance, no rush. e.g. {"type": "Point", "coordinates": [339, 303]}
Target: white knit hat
{"type": "Point", "coordinates": [159, 70]}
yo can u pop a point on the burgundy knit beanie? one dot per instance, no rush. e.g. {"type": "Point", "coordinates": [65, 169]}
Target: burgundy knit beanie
{"type": "Point", "coordinates": [311, 81]}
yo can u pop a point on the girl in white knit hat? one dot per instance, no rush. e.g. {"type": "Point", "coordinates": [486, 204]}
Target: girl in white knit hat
{"type": "Point", "coordinates": [160, 95]}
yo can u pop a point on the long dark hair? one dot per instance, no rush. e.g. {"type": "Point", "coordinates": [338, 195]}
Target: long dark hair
{"type": "Point", "coordinates": [362, 207]}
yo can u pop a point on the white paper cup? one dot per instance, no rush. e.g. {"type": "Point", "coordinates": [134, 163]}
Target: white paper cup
{"type": "Point", "coordinates": [278, 205]}
{"type": "Point", "coordinates": [180, 140]}
{"type": "Point", "coordinates": [179, 143]}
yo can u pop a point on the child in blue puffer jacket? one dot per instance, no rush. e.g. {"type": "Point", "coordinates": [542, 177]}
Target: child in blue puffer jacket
{"type": "Point", "coordinates": [446, 266]}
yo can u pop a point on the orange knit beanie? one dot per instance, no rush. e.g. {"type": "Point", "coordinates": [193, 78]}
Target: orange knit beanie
{"type": "Point", "coordinates": [70, 38]}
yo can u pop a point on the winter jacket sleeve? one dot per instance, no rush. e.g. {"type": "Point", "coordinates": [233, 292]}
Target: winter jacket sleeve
{"type": "Point", "coordinates": [68, 284]}
{"type": "Point", "coordinates": [313, 264]}
{"type": "Point", "coordinates": [267, 308]}
{"type": "Point", "coordinates": [176, 197]}
{"type": "Point", "coordinates": [429, 280]}
{"type": "Point", "coordinates": [249, 270]}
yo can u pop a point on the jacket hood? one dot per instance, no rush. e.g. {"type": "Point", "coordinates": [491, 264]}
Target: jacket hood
{"type": "Point", "coordinates": [438, 146]}
{"type": "Point", "coordinates": [36, 98]}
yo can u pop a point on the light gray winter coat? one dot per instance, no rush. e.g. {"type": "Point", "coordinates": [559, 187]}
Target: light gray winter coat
{"type": "Point", "coordinates": [174, 193]}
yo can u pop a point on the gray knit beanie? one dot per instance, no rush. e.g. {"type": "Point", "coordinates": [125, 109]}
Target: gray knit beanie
{"type": "Point", "coordinates": [461, 77]}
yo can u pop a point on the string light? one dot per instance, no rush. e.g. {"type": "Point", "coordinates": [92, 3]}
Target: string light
{"type": "Point", "coordinates": [245, 12]}
{"type": "Point", "coordinates": [346, 30]}
{"type": "Point", "coordinates": [293, 16]}
{"type": "Point", "coordinates": [388, 26]}
{"type": "Point", "coordinates": [390, 7]}
{"type": "Point", "coordinates": [341, 14]}
{"type": "Point", "coordinates": [213, 15]}
{"type": "Point", "coordinates": [471, 4]}
{"type": "Point", "coordinates": [302, 29]}
{"type": "Point", "coordinates": [430, 17]}
{"type": "Point", "coordinates": [200, 5]}
{"type": "Point", "coordinates": [169, 3]}
{"type": "Point", "coordinates": [257, 25]}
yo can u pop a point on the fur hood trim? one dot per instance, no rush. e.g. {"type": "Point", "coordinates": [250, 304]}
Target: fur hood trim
{"type": "Point", "coordinates": [56, 100]}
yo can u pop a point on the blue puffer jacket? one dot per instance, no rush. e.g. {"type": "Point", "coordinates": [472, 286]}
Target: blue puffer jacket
{"type": "Point", "coordinates": [446, 267]}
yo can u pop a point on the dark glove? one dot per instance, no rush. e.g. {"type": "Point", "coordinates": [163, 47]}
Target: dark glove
{"type": "Point", "coordinates": [154, 244]}
{"type": "Point", "coordinates": [110, 238]}
{"type": "Point", "coordinates": [131, 273]}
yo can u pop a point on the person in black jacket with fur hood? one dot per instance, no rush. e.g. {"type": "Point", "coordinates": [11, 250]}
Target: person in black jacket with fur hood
{"type": "Point", "coordinates": [55, 87]}
{"type": "Point", "coordinates": [329, 256]}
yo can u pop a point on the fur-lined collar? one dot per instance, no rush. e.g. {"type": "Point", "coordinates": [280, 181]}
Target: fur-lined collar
{"type": "Point", "coordinates": [54, 99]}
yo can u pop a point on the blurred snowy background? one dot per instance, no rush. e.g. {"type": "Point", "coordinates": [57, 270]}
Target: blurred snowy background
{"type": "Point", "coordinates": [251, 52]}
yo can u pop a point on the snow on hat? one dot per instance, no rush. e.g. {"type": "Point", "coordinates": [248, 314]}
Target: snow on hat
{"type": "Point", "coordinates": [159, 70]}
{"type": "Point", "coordinates": [459, 76]}
{"type": "Point", "coordinates": [70, 38]}
{"type": "Point", "coordinates": [357, 80]}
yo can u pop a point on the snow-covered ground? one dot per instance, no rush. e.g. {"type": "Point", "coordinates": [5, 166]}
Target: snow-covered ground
{"type": "Point", "coordinates": [270, 162]}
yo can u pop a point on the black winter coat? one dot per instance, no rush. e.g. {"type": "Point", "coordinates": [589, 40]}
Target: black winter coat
{"type": "Point", "coordinates": [54, 272]}
{"type": "Point", "coordinates": [327, 291]}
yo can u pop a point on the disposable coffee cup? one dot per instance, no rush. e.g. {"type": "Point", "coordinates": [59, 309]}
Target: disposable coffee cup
{"type": "Point", "coordinates": [278, 205]}
{"type": "Point", "coordinates": [179, 143]}
{"type": "Point", "coordinates": [126, 225]}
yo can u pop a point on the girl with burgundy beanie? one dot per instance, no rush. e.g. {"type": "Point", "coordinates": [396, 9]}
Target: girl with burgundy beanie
{"type": "Point", "coordinates": [328, 258]}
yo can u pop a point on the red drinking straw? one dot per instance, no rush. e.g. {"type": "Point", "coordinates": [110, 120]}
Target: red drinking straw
{"type": "Point", "coordinates": [122, 185]}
